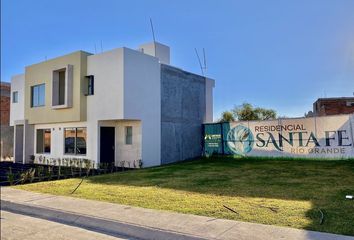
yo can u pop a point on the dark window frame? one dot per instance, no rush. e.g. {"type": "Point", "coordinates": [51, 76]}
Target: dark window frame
{"type": "Point", "coordinates": [90, 85]}
{"type": "Point", "coordinates": [43, 147]}
{"type": "Point", "coordinates": [75, 141]}
{"type": "Point", "coordinates": [15, 99]}
{"type": "Point", "coordinates": [33, 88]}
{"type": "Point", "coordinates": [61, 87]}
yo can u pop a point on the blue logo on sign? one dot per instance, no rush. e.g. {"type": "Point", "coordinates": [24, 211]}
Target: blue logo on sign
{"type": "Point", "coordinates": [240, 140]}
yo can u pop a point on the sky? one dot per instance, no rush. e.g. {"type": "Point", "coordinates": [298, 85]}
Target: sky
{"type": "Point", "coordinates": [274, 54]}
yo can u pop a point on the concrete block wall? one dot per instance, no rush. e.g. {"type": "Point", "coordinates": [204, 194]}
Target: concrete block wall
{"type": "Point", "coordinates": [183, 110]}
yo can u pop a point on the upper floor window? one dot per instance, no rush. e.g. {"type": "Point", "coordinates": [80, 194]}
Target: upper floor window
{"type": "Point", "coordinates": [59, 87]}
{"type": "Point", "coordinates": [90, 85]}
{"type": "Point", "coordinates": [15, 97]}
{"type": "Point", "coordinates": [62, 87]}
{"type": "Point", "coordinates": [38, 95]}
{"type": "Point", "coordinates": [128, 135]}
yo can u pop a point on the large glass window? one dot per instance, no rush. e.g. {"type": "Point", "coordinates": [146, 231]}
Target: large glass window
{"type": "Point", "coordinates": [80, 140]}
{"type": "Point", "coordinates": [75, 141]}
{"type": "Point", "coordinates": [70, 135]}
{"type": "Point", "coordinates": [129, 135]}
{"type": "Point", "coordinates": [43, 140]}
{"type": "Point", "coordinates": [38, 95]}
{"type": "Point", "coordinates": [15, 97]}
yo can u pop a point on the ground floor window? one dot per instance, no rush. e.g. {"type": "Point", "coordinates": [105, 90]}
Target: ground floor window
{"type": "Point", "coordinates": [128, 135]}
{"type": "Point", "coordinates": [75, 141]}
{"type": "Point", "coordinates": [43, 140]}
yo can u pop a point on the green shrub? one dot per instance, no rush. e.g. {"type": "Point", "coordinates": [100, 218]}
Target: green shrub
{"type": "Point", "coordinates": [10, 176]}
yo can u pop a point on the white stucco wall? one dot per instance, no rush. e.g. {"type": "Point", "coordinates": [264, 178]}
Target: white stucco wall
{"type": "Point", "coordinates": [126, 87]}
{"type": "Point", "coordinates": [107, 101]}
{"type": "Point", "coordinates": [156, 49]}
{"type": "Point", "coordinates": [128, 154]}
{"type": "Point", "coordinates": [125, 155]}
{"type": "Point", "coordinates": [17, 109]}
{"type": "Point", "coordinates": [142, 101]}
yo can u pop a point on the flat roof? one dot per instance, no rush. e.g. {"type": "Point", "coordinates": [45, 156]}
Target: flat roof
{"type": "Point", "coordinates": [335, 98]}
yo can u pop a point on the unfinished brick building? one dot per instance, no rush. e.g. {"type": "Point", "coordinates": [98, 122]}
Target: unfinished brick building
{"type": "Point", "coordinates": [333, 106]}
{"type": "Point", "coordinates": [6, 140]}
{"type": "Point", "coordinates": [5, 89]}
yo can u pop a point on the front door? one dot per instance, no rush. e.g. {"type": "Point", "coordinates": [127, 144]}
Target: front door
{"type": "Point", "coordinates": [107, 144]}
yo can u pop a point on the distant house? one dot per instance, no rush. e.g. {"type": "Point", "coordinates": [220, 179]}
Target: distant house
{"type": "Point", "coordinates": [333, 106]}
{"type": "Point", "coordinates": [6, 141]}
{"type": "Point", "coordinates": [5, 91]}
{"type": "Point", "coordinates": [122, 106]}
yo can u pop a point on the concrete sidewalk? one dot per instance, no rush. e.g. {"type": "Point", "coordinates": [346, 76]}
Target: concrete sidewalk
{"type": "Point", "coordinates": [17, 226]}
{"type": "Point", "coordinates": [133, 222]}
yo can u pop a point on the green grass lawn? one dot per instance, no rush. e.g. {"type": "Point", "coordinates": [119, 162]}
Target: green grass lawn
{"type": "Point", "coordinates": [284, 192]}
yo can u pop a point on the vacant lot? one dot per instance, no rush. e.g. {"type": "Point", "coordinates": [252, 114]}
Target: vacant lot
{"type": "Point", "coordinates": [283, 192]}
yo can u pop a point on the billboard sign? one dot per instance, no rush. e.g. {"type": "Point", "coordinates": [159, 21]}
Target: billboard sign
{"type": "Point", "coordinates": [330, 136]}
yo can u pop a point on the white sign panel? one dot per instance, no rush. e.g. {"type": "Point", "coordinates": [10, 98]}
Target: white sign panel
{"type": "Point", "coordinates": [327, 137]}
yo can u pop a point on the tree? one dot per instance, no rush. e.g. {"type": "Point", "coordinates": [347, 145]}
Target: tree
{"type": "Point", "coordinates": [247, 112]}
{"type": "Point", "coordinates": [309, 114]}
{"type": "Point", "coordinates": [227, 116]}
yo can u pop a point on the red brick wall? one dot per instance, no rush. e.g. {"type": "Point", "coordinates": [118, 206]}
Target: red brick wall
{"type": "Point", "coordinates": [5, 104]}
{"type": "Point", "coordinates": [324, 107]}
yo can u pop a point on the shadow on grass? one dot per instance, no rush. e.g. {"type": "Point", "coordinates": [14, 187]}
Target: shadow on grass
{"type": "Point", "coordinates": [323, 183]}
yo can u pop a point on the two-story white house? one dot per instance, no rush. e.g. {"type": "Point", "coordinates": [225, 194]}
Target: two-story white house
{"type": "Point", "coordinates": [119, 106]}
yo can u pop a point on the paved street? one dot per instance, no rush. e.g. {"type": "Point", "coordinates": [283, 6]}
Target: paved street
{"type": "Point", "coordinates": [28, 215]}
{"type": "Point", "coordinates": [16, 226]}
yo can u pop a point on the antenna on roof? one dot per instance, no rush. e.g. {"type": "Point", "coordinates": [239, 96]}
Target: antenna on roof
{"type": "Point", "coordinates": [205, 64]}
{"type": "Point", "coordinates": [153, 35]}
{"type": "Point", "coordinates": [101, 47]}
{"type": "Point", "coordinates": [95, 49]}
{"type": "Point", "coordinates": [200, 63]}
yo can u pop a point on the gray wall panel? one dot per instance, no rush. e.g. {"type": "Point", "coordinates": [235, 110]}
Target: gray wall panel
{"type": "Point", "coordinates": [182, 114]}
